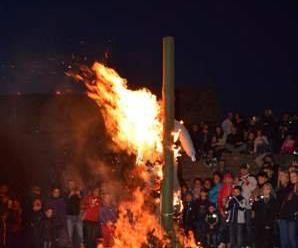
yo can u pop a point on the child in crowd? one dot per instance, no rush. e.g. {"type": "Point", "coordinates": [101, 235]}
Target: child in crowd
{"type": "Point", "coordinates": [236, 206]}
{"type": "Point", "coordinates": [212, 221]}
{"type": "Point", "coordinates": [48, 230]}
{"type": "Point", "coordinates": [189, 214]}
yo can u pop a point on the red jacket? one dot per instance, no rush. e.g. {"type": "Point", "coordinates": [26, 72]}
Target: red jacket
{"type": "Point", "coordinates": [90, 207]}
{"type": "Point", "coordinates": [224, 193]}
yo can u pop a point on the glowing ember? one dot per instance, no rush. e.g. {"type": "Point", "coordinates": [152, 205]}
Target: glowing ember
{"type": "Point", "coordinates": [132, 118]}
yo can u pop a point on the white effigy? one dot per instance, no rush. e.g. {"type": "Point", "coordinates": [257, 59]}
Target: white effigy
{"type": "Point", "coordinates": [187, 145]}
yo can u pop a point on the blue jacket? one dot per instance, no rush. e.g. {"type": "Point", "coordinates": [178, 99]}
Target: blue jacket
{"type": "Point", "coordinates": [107, 214]}
{"type": "Point", "coordinates": [213, 193]}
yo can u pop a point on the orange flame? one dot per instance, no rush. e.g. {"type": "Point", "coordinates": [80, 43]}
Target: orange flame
{"type": "Point", "coordinates": [136, 223]}
{"type": "Point", "coordinates": [132, 118]}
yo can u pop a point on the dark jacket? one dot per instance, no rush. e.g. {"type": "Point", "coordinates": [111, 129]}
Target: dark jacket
{"type": "Point", "coordinates": [73, 204]}
{"type": "Point", "coordinates": [289, 207]}
{"type": "Point", "coordinates": [281, 194]}
{"type": "Point", "coordinates": [201, 208]}
{"type": "Point", "coordinates": [189, 215]}
{"type": "Point", "coordinates": [59, 207]}
{"type": "Point", "coordinates": [265, 213]}
{"type": "Point", "coordinates": [212, 221]}
{"type": "Point", "coordinates": [48, 230]}
{"type": "Point", "coordinates": [236, 207]}
{"type": "Point", "coordinates": [34, 229]}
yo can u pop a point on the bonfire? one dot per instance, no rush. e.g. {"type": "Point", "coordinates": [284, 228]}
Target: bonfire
{"type": "Point", "coordinates": [134, 122]}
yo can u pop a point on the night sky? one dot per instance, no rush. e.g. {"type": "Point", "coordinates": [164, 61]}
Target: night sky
{"type": "Point", "coordinates": [246, 50]}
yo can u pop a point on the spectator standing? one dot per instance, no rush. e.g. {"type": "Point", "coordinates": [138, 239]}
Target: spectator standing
{"type": "Point", "coordinates": [57, 203]}
{"type": "Point", "coordinates": [34, 226]}
{"type": "Point", "coordinates": [212, 222]}
{"type": "Point", "coordinates": [265, 207]}
{"type": "Point", "coordinates": [201, 208]}
{"type": "Point", "coordinates": [288, 215]}
{"type": "Point", "coordinates": [107, 219]}
{"type": "Point", "coordinates": [196, 189]}
{"type": "Point", "coordinates": [188, 214]}
{"type": "Point", "coordinates": [34, 194]}
{"type": "Point", "coordinates": [223, 196]}
{"type": "Point", "coordinates": [236, 207]}
{"type": "Point", "coordinates": [224, 193]}
{"type": "Point", "coordinates": [213, 192]}
{"type": "Point", "coordinates": [90, 216]}
{"type": "Point", "coordinates": [13, 219]}
{"type": "Point", "coordinates": [73, 211]}
{"type": "Point", "coordinates": [49, 235]}
{"type": "Point", "coordinates": [248, 185]}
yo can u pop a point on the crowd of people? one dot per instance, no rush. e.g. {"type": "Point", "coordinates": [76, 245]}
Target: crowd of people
{"type": "Point", "coordinates": [236, 209]}
{"type": "Point", "coordinates": [255, 135]}
{"type": "Point", "coordinates": [244, 210]}
{"type": "Point", "coordinates": [241, 209]}
{"type": "Point", "coordinates": [58, 219]}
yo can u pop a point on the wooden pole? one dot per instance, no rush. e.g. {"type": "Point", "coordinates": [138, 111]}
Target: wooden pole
{"type": "Point", "coordinates": [168, 125]}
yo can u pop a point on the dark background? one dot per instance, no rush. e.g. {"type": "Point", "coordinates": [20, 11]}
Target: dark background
{"type": "Point", "coordinates": [246, 51]}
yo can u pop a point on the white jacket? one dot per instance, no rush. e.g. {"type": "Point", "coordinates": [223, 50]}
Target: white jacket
{"type": "Point", "coordinates": [248, 184]}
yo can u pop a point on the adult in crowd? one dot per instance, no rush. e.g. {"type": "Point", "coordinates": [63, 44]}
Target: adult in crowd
{"type": "Point", "coordinates": [223, 196]}
{"type": "Point", "coordinates": [57, 204]}
{"type": "Point", "coordinates": [213, 192]}
{"type": "Point", "coordinates": [288, 215]}
{"type": "Point", "coordinates": [261, 143]}
{"type": "Point", "coordinates": [288, 146]}
{"type": "Point", "coordinates": [33, 231]}
{"type": "Point", "coordinates": [235, 141]}
{"type": "Point", "coordinates": [201, 207]}
{"type": "Point", "coordinates": [264, 207]}
{"type": "Point", "coordinates": [248, 185]}
{"type": "Point", "coordinates": [189, 214]}
{"type": "Point", "coordinates": [73, 210]}
{"type": "Point", "coordinates": [236, 206]}
{"type": "Point", "coordinates": [227, 124]}
{"type": "Point", "coordinates": [107, 219]}
{"type": "Point", "coordinates": [196, 188]}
